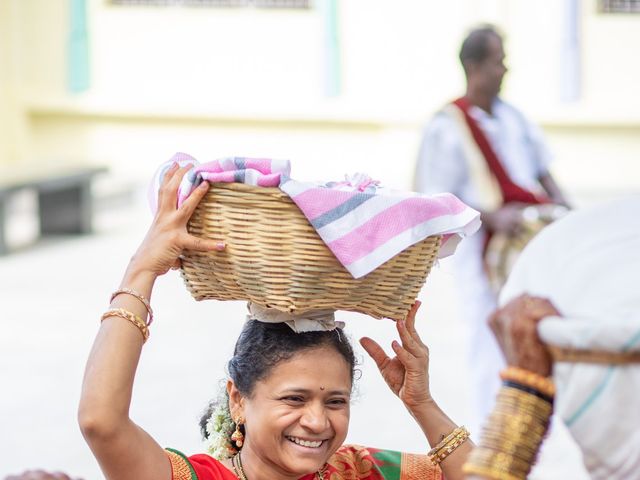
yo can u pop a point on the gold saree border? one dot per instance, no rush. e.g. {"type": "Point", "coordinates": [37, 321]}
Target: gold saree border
{"type": "Point", "coordinates": [417, 467]}
{"type": "Point", "coordinates": [181, 469]}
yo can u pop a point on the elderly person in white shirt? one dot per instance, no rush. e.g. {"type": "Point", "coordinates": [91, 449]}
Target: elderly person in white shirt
{"type": "Point", "coordinates": [571, 307]}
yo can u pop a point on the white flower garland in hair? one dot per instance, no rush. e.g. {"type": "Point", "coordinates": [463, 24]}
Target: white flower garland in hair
{"type": "Point", "coordinates": [219, 428]}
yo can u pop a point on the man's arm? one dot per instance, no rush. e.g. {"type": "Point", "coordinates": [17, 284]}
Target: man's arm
{"type": "Point", "coordinates": [553, 190]}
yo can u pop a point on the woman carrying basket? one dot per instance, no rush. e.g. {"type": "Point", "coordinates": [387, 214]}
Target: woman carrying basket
{"type": "Point", "coordinates": [282, 418]}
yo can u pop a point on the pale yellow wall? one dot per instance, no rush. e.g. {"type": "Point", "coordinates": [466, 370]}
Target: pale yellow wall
{"type": "Point", "coordinates": [251, 82]}
{"type": "Point", "coordinates": [13, 127]}
{"type": "Point", "coordinates": [398, 60]}
{"type": "Point", "coordinates": [4, 61]}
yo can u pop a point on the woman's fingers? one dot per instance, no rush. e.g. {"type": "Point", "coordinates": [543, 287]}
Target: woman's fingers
{"type": "Point", "coordinates": [375, 351]}
{"type": "Point", "coordinates": [163, 197]}
{"type": "Point", "coordinates": [198, 244]}
{"type": "Point", "coordinates": [409, 342]}
{"type": "Point", "coordinates": [410, 323]}
{"type": "Point", "coordinates": [176, 179]}
{"type": "Point", "coordinates": [190, 204]}
{"type": "Point", "coordinates": [168, 175]}
{"type": "Point", "coordinates": [406, 357]}
{"type": "Point", "coordinates": [168, 198]}
{"type": "Point", "coordinates": [410, 320]}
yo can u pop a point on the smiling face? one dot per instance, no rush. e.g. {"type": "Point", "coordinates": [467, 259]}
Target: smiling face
{"type": "Point", "coordinates": [296, 417]}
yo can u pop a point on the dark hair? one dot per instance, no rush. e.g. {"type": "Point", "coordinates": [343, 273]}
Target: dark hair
{"type": "Point", "coordinates": [261, 346]}
{"type": "Point", "coordinates": [475, 47]}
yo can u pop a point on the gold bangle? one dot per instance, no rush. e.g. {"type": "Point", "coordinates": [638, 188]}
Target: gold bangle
{"type": "Point", "coordinates": [131, 317]}
{"type": "Point", "coordinates": [512, 436]}
{"type": "Point", "coordinates": [488, 472]}
{"type": "Point", "coordinates": [521, 438]}
{"type": "Point", "coordinates": [518, 470]}
{"type": "Point", "coordinates": [448, 444]}
{"type": "Point", "coordinates": [516, 423]}
{"type": "Point", "coordinates": [529, 379]}
{"type": "Point", "coordinates": [484, 460]}
{"type": "Point", "coordinates": [139, 296]}
{"type": "Point", "coordinates": [510, 447]}
{"type": "Point", "coordinates": [515, 399]}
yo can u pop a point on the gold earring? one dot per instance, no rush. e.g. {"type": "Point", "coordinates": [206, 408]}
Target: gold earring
{"type": "Point", "coordinates": [237, 435]}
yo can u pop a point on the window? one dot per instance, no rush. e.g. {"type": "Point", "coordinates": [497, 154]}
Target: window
{"type": "Point", "coordinates": [619, 6]}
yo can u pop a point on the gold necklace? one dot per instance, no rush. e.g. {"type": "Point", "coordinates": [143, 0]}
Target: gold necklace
{"type": "Point", "coordinates": [239, 471]}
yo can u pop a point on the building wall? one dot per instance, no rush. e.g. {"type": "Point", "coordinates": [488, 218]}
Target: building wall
{"type": "Point", "coordinates": [13, 125]}
{"type": "Point", "coordinates": [218, 82]}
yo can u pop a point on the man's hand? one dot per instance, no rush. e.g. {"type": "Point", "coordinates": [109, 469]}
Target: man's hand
{"type": "Point", "coordinates": [507, 219]}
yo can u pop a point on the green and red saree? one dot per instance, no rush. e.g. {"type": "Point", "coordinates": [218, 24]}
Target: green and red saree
{"type": "Point", "coordinates": [350, 462]}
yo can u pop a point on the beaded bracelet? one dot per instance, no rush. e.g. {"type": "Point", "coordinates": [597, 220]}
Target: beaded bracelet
{"type": "Point", "coordinates": [131, 317]}
{"type": "Point", "coordinates": [139, 296]}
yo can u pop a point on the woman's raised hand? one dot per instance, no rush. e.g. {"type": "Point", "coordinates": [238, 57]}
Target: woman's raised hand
{"type": "Point", "coordinates": [167, 237]}
{"type": "Point", "coordinates": [406, 374]}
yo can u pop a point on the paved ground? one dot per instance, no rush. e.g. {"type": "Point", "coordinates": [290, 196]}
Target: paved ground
{"type": "Point", "coordinates": [52, 295]}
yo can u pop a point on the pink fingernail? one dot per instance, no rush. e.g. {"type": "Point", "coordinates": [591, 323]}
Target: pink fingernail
{"type": "Point", "coordinates": [204, 185]}
{"type": "Point", "coordinates": [220, 245]}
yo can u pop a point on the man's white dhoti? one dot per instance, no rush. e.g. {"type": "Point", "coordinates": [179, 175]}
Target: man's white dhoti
{"type": "Point", "coordinates": [445, 165]}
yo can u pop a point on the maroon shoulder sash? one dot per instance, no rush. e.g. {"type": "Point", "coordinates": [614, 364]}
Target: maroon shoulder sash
{"type": "Point", "coordinates": [511, 192]}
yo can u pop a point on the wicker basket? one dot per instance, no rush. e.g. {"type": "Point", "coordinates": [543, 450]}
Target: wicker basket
{"type": "Point", "coordinates": [273, 257]}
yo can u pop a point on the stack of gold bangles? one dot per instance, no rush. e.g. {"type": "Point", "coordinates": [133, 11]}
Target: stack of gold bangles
{"type": "Point", "coordinates": [134, 319]}
{"type": "Point", "coordinates": [448, 444]}
{"type": "Point", "coordinates": [511, 439]}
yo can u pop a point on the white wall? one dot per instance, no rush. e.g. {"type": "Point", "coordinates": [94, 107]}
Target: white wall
{"type": "Point", "coordinates": [217, 82]}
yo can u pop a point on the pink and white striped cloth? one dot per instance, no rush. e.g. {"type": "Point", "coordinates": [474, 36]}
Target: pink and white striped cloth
{"type": "Point", "coordinates": [363, 224]}
{"type": "Point", "coordinates": [262, 172]}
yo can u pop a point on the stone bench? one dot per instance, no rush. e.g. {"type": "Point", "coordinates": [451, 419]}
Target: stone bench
{"type": "Point", "coordinates": [65, 203]}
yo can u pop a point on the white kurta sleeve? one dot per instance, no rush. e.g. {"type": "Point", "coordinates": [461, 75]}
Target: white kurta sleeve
{"type": "Point", "coordinates": [441, 165]}
{"type": "Point", "coordinates": [540, 152]}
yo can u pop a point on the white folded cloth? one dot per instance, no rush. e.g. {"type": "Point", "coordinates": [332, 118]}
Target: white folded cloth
{"type": "Point", "coordinates": [309, 321]}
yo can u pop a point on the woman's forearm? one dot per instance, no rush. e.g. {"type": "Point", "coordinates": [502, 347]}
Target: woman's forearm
{"type": "Point", "coordinates": [110, 371]}
{"type": "Point", "coordinates": [123, 450]}
{"type": "Point", "coordinates": [436, 425]}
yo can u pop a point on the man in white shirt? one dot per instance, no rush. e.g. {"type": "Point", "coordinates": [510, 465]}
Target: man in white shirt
{"type": "Point", "coordinates": [487, 153]}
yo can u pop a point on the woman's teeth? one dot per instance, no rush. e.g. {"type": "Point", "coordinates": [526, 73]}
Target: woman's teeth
{"type": "Point", "coordinates": [305, 443]}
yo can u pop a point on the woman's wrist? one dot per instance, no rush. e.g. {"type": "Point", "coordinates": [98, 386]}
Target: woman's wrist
{"type": "Point", "coordinates": [422, 407]}
{"type": "Point", "coordinates": [139, 278]}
